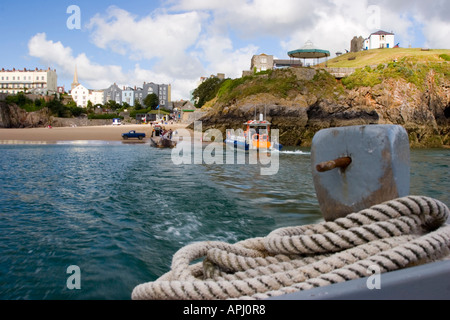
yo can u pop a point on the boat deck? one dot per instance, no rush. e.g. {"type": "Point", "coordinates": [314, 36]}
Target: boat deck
{"type": "Point", "coordinates": [426, 282]}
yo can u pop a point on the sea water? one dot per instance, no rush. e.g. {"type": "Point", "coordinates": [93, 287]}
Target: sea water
{"type": "Point", "coordinates": [119, 212]}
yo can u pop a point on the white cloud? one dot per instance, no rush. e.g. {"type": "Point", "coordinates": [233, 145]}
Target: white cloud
{"type": "Point", "coordinates": [144, 38]}
{"type": "Point", "coordinates": [253, 18]}
{"type": "Point", "coordinates": [437, 33]}
{"type": "Point", "coordinates": [218, 52]}
{"type": "Point", "coordinates": [165, 39]}
{"type": "Point", "coordinates": [187, 39]}
{"type": "Point", "coordinates": [410, 19]}
{"type": "Point", "coordinates": [50, 53]}
{"type": "Point", "coordinates": [180, 42]}
{"type": "Point", "coordinates": [96, 76]}
{"type": "Point", "coordinates": [57, 56]}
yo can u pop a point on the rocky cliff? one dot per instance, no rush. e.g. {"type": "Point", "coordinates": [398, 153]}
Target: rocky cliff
{"type": "Point", "coordinates": [317, 101]}
{"type": "Point", "coordinates": [11, 116]}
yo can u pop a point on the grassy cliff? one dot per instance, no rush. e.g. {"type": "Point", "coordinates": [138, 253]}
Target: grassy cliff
{"type": "Point", "coordinates": [384, 56]}
{"type": "Point", "coordinates": [409, 87]}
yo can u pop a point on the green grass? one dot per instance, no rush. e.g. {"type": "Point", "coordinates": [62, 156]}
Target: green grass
{"type": "Point", "coordinates": [445, 56]}
{"type": "Point", "coordinates": [372, 68]}
{"type": "Point", "coordinates": [415, 73]}
{"type": "Point", "coordinates": [278, 83]}
{"type": "Point", "coordinates": [383, 56]}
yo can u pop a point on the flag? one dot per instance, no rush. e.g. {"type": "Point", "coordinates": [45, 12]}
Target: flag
{"type": "Point", "coordinates": [157, 108]}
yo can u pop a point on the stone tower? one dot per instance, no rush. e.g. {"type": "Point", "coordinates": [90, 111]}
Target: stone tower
{"type": "Point", "coordinates": [357, 44]}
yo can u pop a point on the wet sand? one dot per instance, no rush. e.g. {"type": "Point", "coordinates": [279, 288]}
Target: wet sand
{"type": "Point", "coordinates": [92, 133]}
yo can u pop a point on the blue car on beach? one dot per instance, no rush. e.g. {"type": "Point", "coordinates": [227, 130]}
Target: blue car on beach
{"type": "Point", "coordinates": [133, 134]}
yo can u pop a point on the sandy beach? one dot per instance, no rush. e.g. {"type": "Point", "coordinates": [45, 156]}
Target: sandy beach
{"type": "Point", "coordinates": [94, 133]}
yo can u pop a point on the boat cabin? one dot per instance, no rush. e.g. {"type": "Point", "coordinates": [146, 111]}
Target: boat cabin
{"type": "Point", "coordinates": [258, 133]}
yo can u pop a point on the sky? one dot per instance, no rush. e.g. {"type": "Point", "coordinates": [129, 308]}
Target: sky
{"type": "Point", "coordinates": [177, 42]}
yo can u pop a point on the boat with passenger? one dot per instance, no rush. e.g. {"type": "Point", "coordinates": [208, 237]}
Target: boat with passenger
{"type": "Point", "coordinates": [161, 138]}
{"type": "Point", "coordinates": [256, 136]}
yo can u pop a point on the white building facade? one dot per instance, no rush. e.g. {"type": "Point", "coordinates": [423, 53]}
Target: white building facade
{"type": "Point", "coordinates": [380, 40]}
{"type": "Point", "coordinates": [80, 95]}
{"type": "Point", "coordinates": [33, 81]}
{"type": "Point", "coordinates": [96, 97]}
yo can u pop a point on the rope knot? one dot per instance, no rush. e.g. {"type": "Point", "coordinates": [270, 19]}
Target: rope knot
{"type": "Point", "coordinates": [393, 235]}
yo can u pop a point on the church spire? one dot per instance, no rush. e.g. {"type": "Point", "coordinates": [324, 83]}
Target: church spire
{"type": "Point", "coordinates": [75, 78]}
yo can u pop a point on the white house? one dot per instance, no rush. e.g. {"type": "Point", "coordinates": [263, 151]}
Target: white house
{"type": "Point", "coordinates": [80, 95]}
{"type": "Point", "coordinates": [379, 40]}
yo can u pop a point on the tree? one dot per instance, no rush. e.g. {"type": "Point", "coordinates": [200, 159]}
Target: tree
{"type": "Point", "coordinates": [206, 91]}
{"type": "Point", "coordinates": [113, 105]}
{"type": "Point", "coordinates": [137, 105]}
{"type": "Point", "coordinates": [151, 101]}
{"type": "Point", "coordinates": [125, 106]}
{"type": "Point", "coordinates": [57, 108]}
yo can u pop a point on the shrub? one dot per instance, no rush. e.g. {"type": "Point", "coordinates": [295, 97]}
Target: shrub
{"type": "Point", "coordinates": [445, 56]}
{"type": "Point", "coordinates": [362, 78]}
{"type": "Point", "coordinates": [206, 91]}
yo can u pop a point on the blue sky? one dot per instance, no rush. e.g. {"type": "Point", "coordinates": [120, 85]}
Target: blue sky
{"type": "Point", "coordinates": [179, 41]}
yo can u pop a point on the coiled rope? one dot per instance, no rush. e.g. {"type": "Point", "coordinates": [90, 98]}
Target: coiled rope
{"type": "Point", "coordinates": [393, 235]}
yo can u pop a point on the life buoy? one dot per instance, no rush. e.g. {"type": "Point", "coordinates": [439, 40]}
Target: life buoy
{"type": "Point", "coordinates": [255, 137]}
{"type": "Point", "coordinates": [264, 138]}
